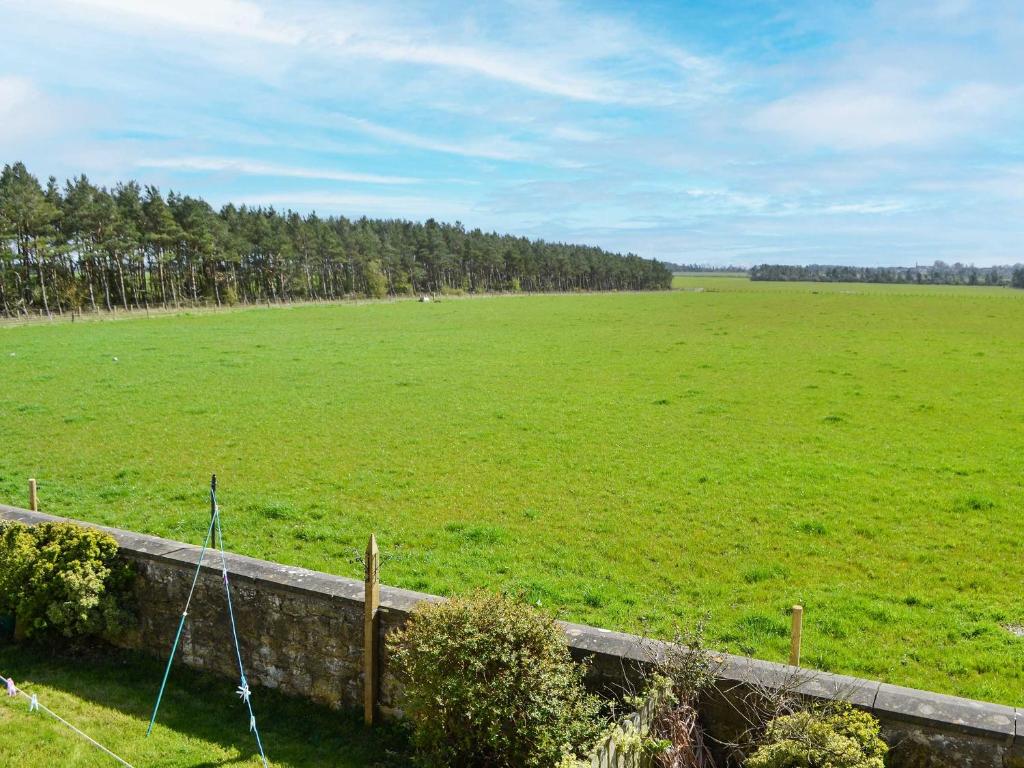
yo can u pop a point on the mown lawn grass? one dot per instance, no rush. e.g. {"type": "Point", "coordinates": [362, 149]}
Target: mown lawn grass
{"type": "Point", "coordinates": [202, 723]}
{"type": "Point", "coordinates": [627, 460]}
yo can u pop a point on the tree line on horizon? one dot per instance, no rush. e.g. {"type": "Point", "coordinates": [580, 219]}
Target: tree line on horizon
{"type": "Point", "coordinates": [938, 273]}
{"type": "Point", "coordinates": [85, 247]}
{"type": "Point", "coordinates": [710, 268]}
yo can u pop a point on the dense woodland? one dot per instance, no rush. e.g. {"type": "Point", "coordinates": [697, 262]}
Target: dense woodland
{"type": "Point", "coordinates": [938, 273]}
{"type": "Point", "coordinates": [83, 247]}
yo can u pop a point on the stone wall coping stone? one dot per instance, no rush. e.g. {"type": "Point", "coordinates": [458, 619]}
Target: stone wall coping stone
{"type": "Point", "coordinates": [889, 702]}
{"type": "Point", "coordinates": [813, 683]}
{"type": "Point", "coordinates": [136, 543]}
{"type": "Point", "coordinates": [242, 567]}
{"type": "Point", "coordinates": [952, 712]}
{"type": "Point", "coordinates": [608, 642]}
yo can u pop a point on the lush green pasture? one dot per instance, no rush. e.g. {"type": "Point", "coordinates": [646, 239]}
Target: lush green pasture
{"type": "Point", "coordinates": [202, 723]}
{"type": "Point", "coordinates": [628, 460]}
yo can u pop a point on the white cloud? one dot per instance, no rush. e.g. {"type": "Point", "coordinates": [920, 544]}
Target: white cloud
{"type": "Point", "coordinates": [494, 148]}
{"type": "Point", "coordinates": [575, 133]}
{"type": "Point", "coordinates": [604, 118]}
{"type": "Point", "coordinates": [988, 184]}
{"type": "Point", "coordinates": [867, 116]}
{"type": "Point", "coordinates": [929, 10]}
{"type": "Point", "coordinates": [397, 206]}
{"type": "Point", "coordinates": [577, 56]}
{"type": "Point", "coordinates": [572, 52]}
{"type": "Point", "coordinates": [255, 168]}
{"type": "Point", "coordinates": [223, 17]}
{"type": "Point", "coordinates": [730, 199]}
{"type": "Point", "coordinates": [875, 207]}
{"type": "Point", "coordinates": [23, 113]}
{"type": "Point", "coordinates": [530, 70]}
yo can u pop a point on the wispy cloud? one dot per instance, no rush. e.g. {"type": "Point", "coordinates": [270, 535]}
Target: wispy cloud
{"type": "Point", "coordinates": [256, 168]}
{"type": "Point", "coordinates": [867, 116]}
{"type": "Point", "coordinates": [888, 129]}
{"type": "Point", "coordinates": [868, 207]}
{"type": "Point", "coordinates": [493, 148]}
{"type": "Point", "coordinates": [235, 18]}
{"type": "Point", "coordinates": [571, 55]}
{"type": "Point", "coordinates": [575, 133]}
{"type": "Point", "coordinates": [536, 71]}
{"type": "Point", "coordinates": [490, 63]}
{"type": "Point", "coordinates": [730, 199]}
{"type": "Point", "coordinates": [24, 112]}
{"type": "Point", "coordinates": [388, 206]}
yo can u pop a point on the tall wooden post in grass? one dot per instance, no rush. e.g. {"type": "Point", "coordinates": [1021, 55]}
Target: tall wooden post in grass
{"type": "Point", "coordinates": [33, 497]}
{"type": "Point", "coordinates": [371, 657]}
{"type": "Point", "coordinates": [794, 643]}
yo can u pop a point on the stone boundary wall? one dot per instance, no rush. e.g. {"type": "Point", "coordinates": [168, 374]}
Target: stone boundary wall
{"type": "Point", "coordinates": [302, 633]}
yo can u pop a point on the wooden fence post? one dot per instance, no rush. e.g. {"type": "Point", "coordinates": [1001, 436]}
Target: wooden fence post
{"type": "Point", "coordinates": [371, 657]}
{"type": "Point", "coordinates": [33, 497]}
{"type": "Point", "coordinates": [794, 644]}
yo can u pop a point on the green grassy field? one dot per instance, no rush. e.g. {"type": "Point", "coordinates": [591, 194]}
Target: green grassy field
{"type": "Point", "coordinates": [626, 460]}
{"type": "Point", "coordinates": [202, 723]}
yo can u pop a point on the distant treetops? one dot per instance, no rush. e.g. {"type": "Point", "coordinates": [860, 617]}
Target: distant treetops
{"type": "Point", "coordinates": [939, 273]}
{"type": "Point", "coordinates": [87, 247]}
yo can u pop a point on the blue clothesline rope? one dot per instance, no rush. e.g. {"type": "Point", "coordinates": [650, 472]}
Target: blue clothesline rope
{"type": "Point", "coordinates": [243, 688]}
{"type": "Point", "coordinates": [217, 535]}
{"type": "Point", "coordinates": [181, 626]}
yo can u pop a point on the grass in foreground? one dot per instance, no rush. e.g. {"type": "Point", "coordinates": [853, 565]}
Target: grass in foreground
{"type": "Point", "coordinates": [625, 460]}
{"type": "Point", "coordinates": [202, 723]}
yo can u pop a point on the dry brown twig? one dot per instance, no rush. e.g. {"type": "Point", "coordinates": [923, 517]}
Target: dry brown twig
{"type": "Point", "coordinates": [698, 678]}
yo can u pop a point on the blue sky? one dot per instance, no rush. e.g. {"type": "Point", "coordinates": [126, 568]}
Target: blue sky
{"type": "Point", "coordinates": [717, 132]}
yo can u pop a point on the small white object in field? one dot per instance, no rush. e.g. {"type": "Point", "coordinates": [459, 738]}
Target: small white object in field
{"type": "Point", "coordinates": [115, 359]}
{"type": "Point", "coordinates": [13, 354]}
{"type": "Point", "coordinates": [424, 298]}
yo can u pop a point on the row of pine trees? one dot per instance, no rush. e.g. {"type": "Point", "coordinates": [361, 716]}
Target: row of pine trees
{"type": "Point", "coordinates": [82, 247]}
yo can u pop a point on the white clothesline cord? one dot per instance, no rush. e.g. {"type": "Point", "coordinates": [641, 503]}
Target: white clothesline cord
{"type": "Point", "coordinates": [35, 705]}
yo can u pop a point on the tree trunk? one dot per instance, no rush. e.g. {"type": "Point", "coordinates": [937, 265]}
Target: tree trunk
{"type": "Point", "coordinates": [3, 294]}
{"type": "Point", "coordinates": [120, 279]}
{"type": "Point", "coordinates": [163, 287]}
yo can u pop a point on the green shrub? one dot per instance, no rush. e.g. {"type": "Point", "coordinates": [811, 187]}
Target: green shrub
{"type": "Point", "coordinates": [488, 681]}
{"type": "Point", "coordinates": [59, 578]}
{"type": "Point", "coordinates": [843, 738]}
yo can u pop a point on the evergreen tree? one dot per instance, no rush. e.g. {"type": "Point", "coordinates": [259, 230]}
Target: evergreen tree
{"type": "Point", "coordinates": [128, 248]}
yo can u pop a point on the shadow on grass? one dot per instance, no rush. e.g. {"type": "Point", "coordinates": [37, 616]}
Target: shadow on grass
{"type": "Point", "coordinates": [202, 706]}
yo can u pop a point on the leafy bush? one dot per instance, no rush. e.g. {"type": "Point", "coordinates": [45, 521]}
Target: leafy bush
{"type": "Point", "coordinates": [489, 682]}
{"type": "Point", "coordinates": [842, 738]}
{"type": "Point", "coordinates": [59, 578]}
